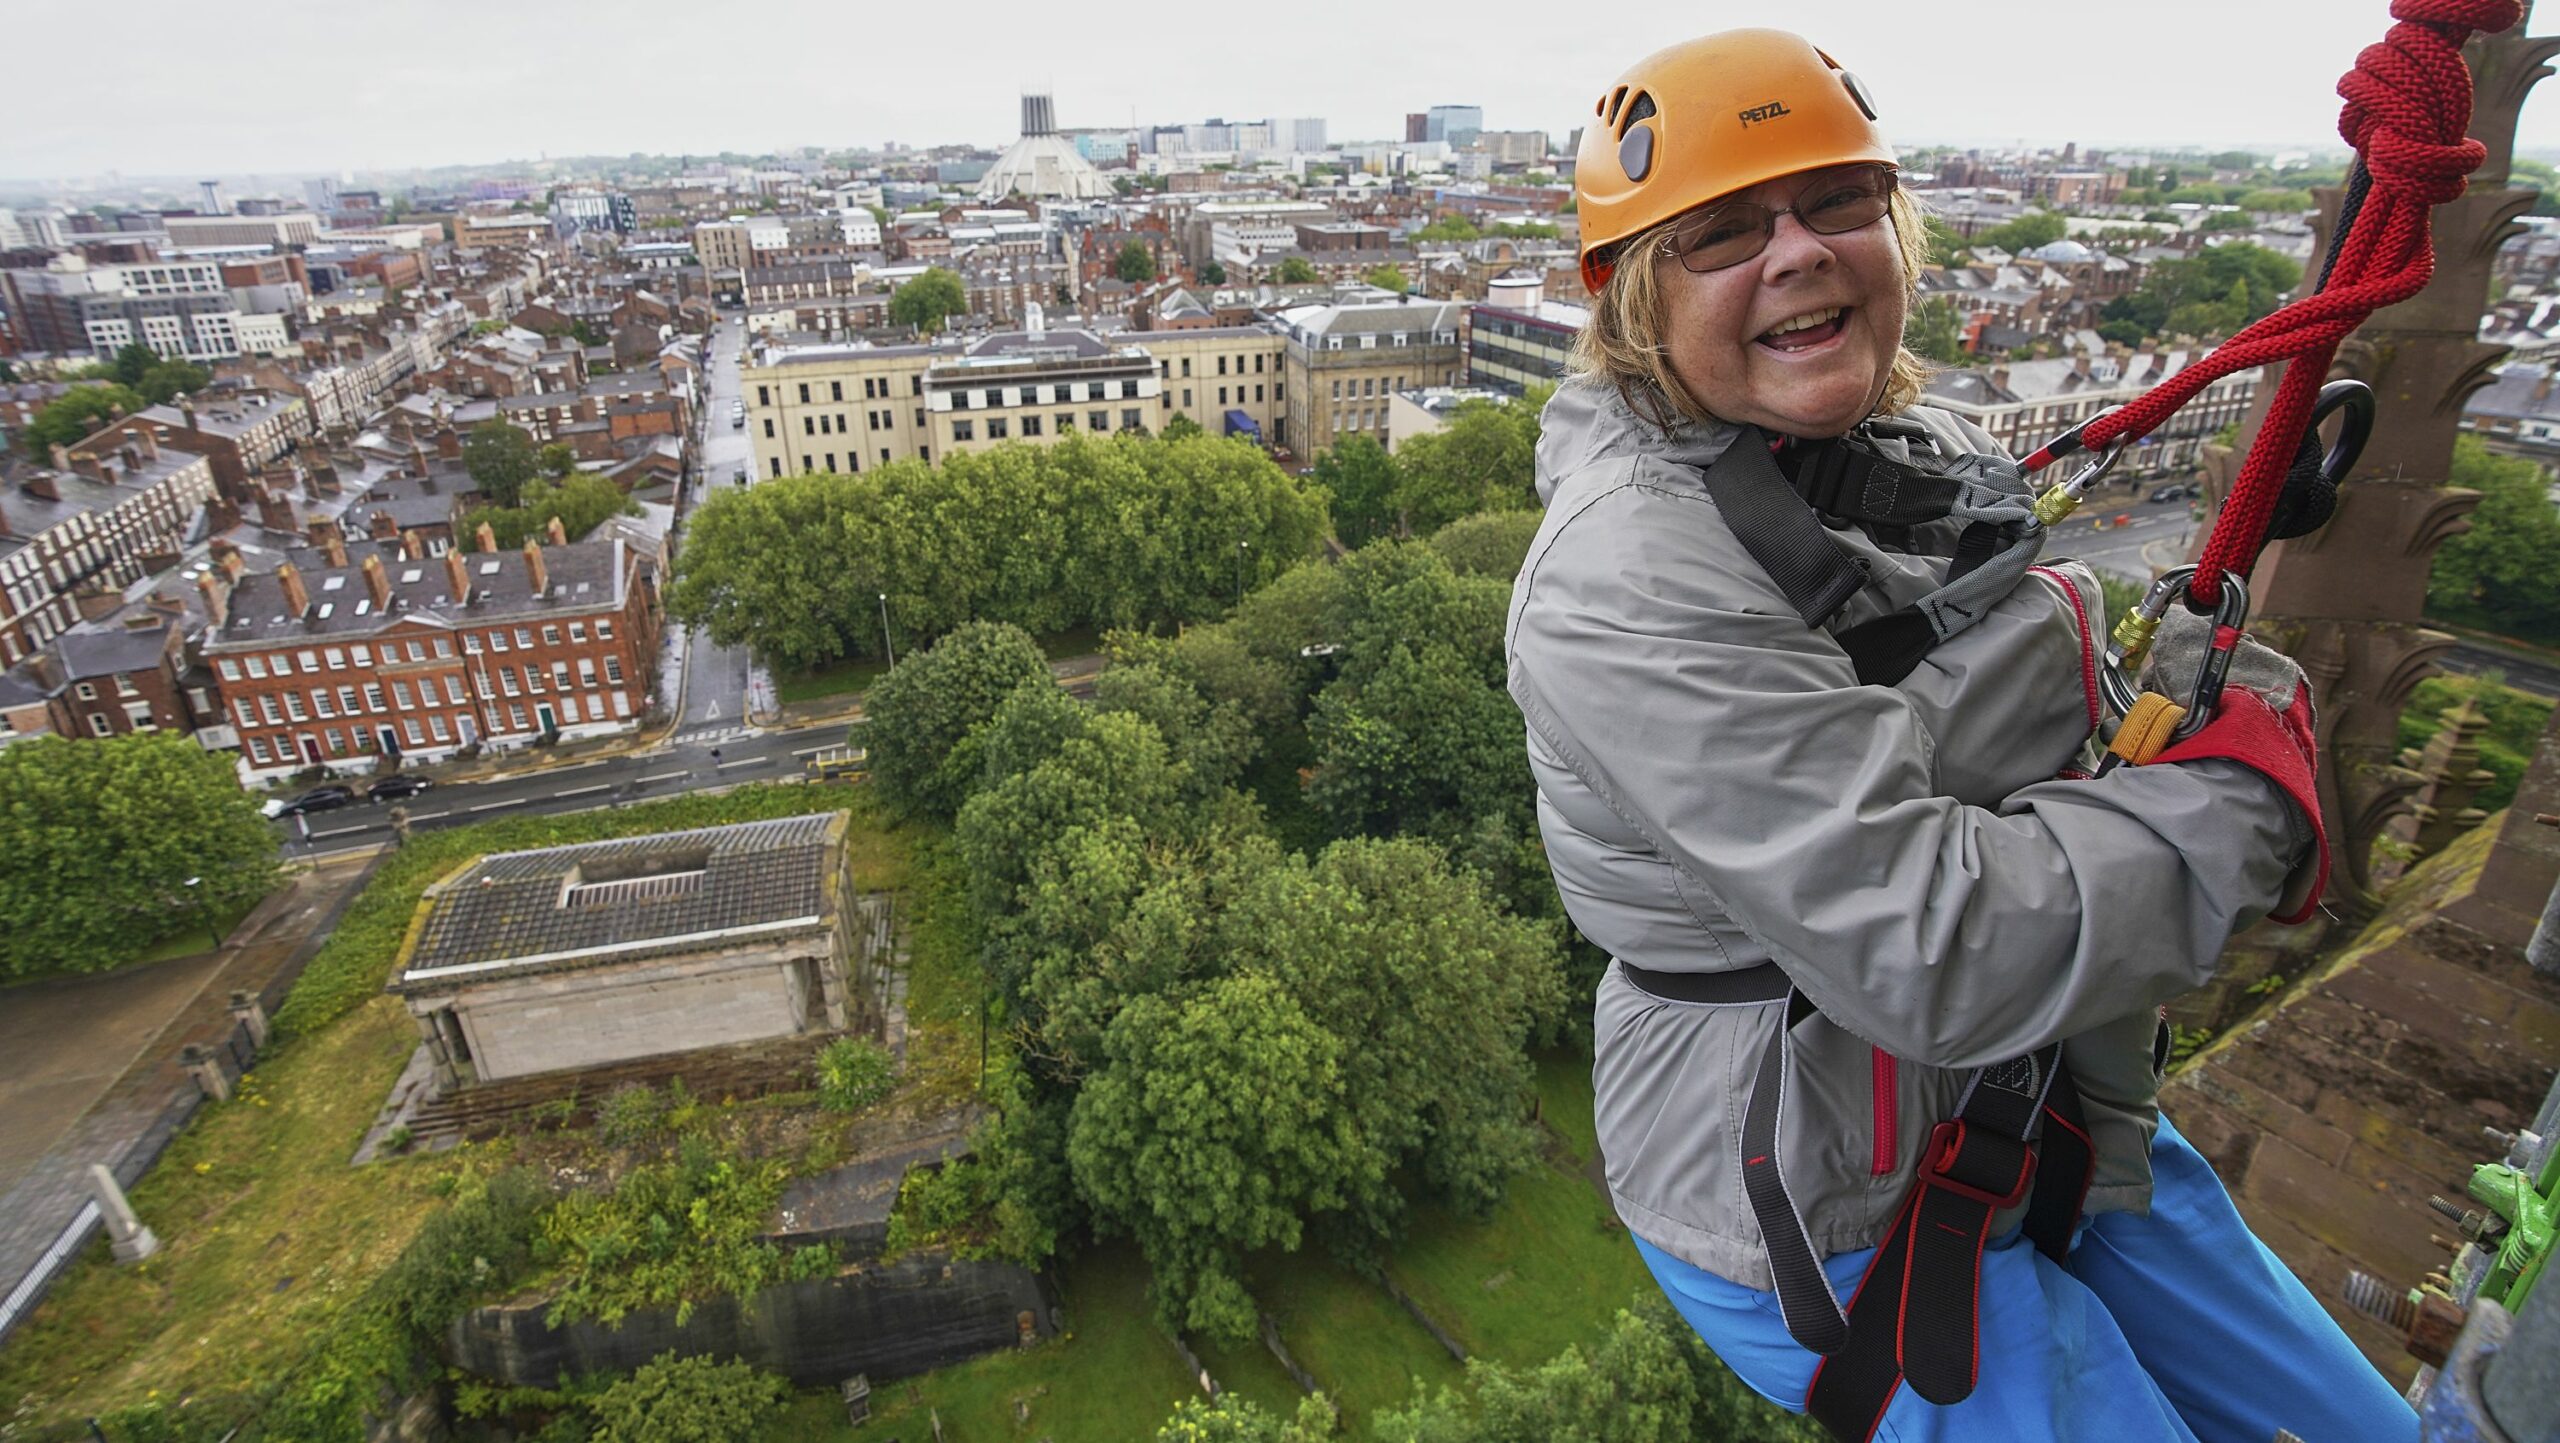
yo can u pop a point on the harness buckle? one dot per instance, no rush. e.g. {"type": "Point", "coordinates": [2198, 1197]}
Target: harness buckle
{"type": "Point", "coordinates": [1984, 1158]}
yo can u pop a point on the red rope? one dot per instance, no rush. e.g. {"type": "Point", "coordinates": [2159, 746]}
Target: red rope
{"type": "Point", "coordinates": [2408, 108]}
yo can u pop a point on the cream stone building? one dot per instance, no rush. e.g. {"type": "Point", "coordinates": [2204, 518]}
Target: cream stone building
{"type": "Point", "coordinates": [1345, 361]}
{"type": "Point", "coordinates": [850, 408]}
{"type": "Point", "coordinates": [584, 956]}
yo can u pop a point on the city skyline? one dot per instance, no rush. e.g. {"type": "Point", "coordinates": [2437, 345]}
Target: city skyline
{"type": "Point", "coordinates": [508, 85]}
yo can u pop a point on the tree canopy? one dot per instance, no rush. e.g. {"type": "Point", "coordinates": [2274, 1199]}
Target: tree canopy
{"type": "Point", "coordinates": [2498, 574]}
{"type": "Point", "coordinates": [2209, 295]}
{"type": "Point", "coordinates": [929, 300]}
{"type": "Point", "coordinates": [1109, 531]}
{"type": "Point", "coordinates": [919, 713]}
{"type": "Point", "coordinates": [581, 503]}
{"type": "Point", "coordinates": [500, 458]}
{"type": "Point", "coordinates": [1135, 263]}
{"type": "Point", "coordinates": [1294, 271]}
{"type": "Point", "coordinates": [2035, 228]}
{"type": "Point", "coordinates": [98, 837]}
{"type": "Point", "coordinates": [1936, 332]}
{"type": "Point", "coordinates": [76, 413]}
{"type": "Point", "coordinates": [1387, 278]}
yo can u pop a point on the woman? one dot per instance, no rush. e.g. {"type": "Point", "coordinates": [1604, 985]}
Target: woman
{"type": "Point", "coordinates": [1818, 777]}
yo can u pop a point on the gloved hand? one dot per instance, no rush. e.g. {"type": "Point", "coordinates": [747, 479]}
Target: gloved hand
{"type": "Point", "coordinates": [2263, 721]}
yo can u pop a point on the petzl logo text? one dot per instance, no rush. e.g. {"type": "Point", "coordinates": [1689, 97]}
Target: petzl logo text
{"type": "Point", "coordinates": [1758, 113]}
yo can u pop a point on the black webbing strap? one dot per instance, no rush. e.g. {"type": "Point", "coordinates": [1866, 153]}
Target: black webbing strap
{"type": "Point", "coordinates": [1856, 484]}
{"type": "Point", "coordinates": [1916, 1314]}
{"type": "Point", "coordinates": [1813, 571]}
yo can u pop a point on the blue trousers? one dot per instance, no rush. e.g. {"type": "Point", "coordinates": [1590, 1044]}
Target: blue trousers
{"type": "Point", "coordinates": [2178, 1325]}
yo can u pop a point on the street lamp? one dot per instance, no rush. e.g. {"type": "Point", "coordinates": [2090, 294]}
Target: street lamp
{"type": "Point", "coordinates": [885, 644]}
{"type": "Point", "coordinates": [195, 889]}
{"type": "Point", "coordinates": [1241, 548]}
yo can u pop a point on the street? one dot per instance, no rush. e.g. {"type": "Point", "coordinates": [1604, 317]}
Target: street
{"type": "Point", "coordinates": [721, 681]}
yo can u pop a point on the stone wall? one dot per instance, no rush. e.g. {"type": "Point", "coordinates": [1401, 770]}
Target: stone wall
{"type": "Point", "coordinates": [593, 1016]}
{"type": "Point", "coordinates": [922, 1312]}
{"type": "Point", "coordinates": [2366, 1089]}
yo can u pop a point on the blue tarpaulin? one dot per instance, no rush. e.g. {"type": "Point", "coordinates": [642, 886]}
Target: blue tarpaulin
{"type": "Point", "coordinates": [1240, 423]}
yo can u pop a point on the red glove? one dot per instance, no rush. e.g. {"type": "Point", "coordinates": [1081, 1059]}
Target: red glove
{"type": "Point", "coordinates": [2280, 746]}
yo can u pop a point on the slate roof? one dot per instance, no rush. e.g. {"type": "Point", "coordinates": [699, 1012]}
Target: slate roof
{"type": "Point", "coordinates": [585, 577]}
{"type": "Point", "coordinates": [2520, 392]}
{"type": "Point", "coordinates": [600, 904]}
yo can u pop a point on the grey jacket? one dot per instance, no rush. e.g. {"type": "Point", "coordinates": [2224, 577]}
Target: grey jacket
{"type": "Point", "coordinates": [1717, 791]}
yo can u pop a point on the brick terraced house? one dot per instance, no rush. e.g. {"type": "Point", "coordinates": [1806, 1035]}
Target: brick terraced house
{"type": "Point", "coordinates": [359, 668]}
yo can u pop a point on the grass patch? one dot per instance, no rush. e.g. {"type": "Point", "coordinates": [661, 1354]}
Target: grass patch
{"type": "Point", "coordinates": [843, 678]}
{"type": "Point", "coordinates": [1546, 1270]}
{"type": "Point", "coordinates": [1074, 641]}
{"type": "Point", "coordinates": [1365, 1351]}
{"type": "Point", "coordinates": [267, 1238]}
{"type": "Point", "coordinates": [1110, 1378]}
{"type": "Point", "coordinates": [1564, 1103]}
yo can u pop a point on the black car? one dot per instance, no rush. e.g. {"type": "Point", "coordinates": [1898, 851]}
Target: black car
{"type": "Point", "coordinates": [397, 788]}
{"type": "Point", "coordinates": [2174, 491]}
{"type": "Point", "coordinates": [318, 799]}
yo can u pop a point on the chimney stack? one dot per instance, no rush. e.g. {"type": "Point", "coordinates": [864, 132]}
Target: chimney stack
{"type": "Point", "coordinates": [533, 568]}
{"type": "Point", "coordinates": [297, 600]}
{"type": "Point", "coordinates": [2000, 378]}
{"type": "Point", "coordinates": [559, 533]}
{"type": "Point", "coordinates": [377, 579]}
{"type": "Point", "coordinates": [487, 536]}
{"type": "Point", "coordinates": [412, 546]}
{"type": "Point", "coordinates": [381, 527]}
{"type": "Point", "coordinates": [148, 438]}
{"type": "Point", "coordinates": [41, 486]}
{"type": "Point", "coordinates": [449, 444]}
{"type": "Point", "coordinates": [275, 512]}
{"type": "Point", "coordinates": [332, 541]}
{"type": "Point", "coordinates": [221, 514]}
{"type": "Point", "coordinates": [217, 598]}
{"type": "Point", "coordinates": [187, 407]}
{"type": "Point", "coordinates": [61, 457]}
{"type": "Point", "coordinates": [458, 576]}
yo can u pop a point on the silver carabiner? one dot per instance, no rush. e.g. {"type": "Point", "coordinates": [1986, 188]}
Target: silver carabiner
{"type": "Point", "coordinates": [2061, 500]}
{"type": "Point", "coordinates": [2230, 615]}
{"type": "Point", "coordinates": [2130, 641]}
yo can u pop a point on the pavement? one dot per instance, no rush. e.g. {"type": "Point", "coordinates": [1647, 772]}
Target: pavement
{"type": "Point", "coordinates": [94, 1070]}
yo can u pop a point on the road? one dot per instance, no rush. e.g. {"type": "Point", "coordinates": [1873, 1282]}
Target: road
{"type": "Point", "coordinates": [2118, 551]}
{"type": "Point", "coordinates": [685, 765]}
{"type": "Point", "coordinates": [719, 680]}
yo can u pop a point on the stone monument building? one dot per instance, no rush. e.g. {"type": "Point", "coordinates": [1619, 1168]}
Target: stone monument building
{"type": "Point", "coordinates": [588, 955]}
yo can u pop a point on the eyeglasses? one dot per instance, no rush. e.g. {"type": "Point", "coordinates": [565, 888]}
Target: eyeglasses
{"type": "Point", "coordinates": [1833, 202]}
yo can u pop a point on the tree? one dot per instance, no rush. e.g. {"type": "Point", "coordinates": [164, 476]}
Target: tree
{"type": "Point", "coordinates": [1490, 543]}
{"type": "Point", "coordinates": [919, 713]}
{"type": "Point", "coordinates": [1213, 274]}
{"type": "Point", "coordinates": [1360, 477]}
{"type": "Point", "coordinates": [99, 836]}
{"type": "Point", "coordinates": [1945, 246]}
{"type": "Point", "coordinates": [580, 504]}
{"type": "Point", "coordinates": [1234, 1418]}
{"type": "Point", "coordinates": [2035, 228]}
{"type": "Point", "coordinates": [1387, 278]}
{"type": "Point", "coordinates": [1936, 332]}
{"type": "Point", "coordinates": [500, 458]}
{"type": "Point", "coordinates": [1181, 426]}
{"type": "Point", "coordinates": [2498, 574]}
{"type": "Point", "coordinates": [75, 414]}
{"type": "Point", "coordinates": [1294, 271]}
{"type": "Point", "coordinates": [131, 360]}
{"type": "Point", "coordinates": [556, 460]}
{"type": "Point", "coordinates": [673, 1399]}
{"type": "Point", "coordinates": [1449, 227]}
{"type": "Point", "coordinates": [1135, 263]}
{"type": "Point", "coordinates": [929, 300]}
{"type": "Point", "coordinates": [165, 381]}
{"type": "Point", "coordinates": [1484, 458]}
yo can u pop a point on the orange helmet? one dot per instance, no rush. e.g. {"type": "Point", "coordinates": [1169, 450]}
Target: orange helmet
{"type": "Point", "coordinates": [1709, 117]}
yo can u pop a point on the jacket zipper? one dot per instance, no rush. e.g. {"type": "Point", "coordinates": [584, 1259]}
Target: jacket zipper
{"type": "Point", "coordinates": [1886, 1126]}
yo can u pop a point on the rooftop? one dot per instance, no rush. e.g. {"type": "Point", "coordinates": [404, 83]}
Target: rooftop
{"type": "Point", "coordinates": [583, 577]}
{"type": "Point", "coordinates": [597, 903]}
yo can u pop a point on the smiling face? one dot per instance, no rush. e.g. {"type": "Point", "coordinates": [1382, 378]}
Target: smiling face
{"type": "Point", "coordinates": [1800, 339]}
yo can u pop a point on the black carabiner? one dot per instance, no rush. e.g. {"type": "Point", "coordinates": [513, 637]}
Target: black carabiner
{"type": "Point", "coordinates": [2356, 399]}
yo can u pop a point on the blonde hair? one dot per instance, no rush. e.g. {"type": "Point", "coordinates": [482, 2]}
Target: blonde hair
{"type": "Point", "coordinates": [1622, 342]}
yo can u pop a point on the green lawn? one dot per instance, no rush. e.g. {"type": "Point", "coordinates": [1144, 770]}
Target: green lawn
{"type": "Point", "coordinates": [1564, 1103]}
{"type": "Point", "coordinates": [1365, 1352]}
{"type": "Point", "coordinates": [855, 674]}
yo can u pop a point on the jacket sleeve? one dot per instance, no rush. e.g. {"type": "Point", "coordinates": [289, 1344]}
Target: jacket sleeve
{"type": "Point", "coordinates": [1654, 657]}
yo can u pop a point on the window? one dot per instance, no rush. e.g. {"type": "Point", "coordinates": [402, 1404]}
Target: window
{"type": "Point", "coordinates": [515, 715]}
{"type": "Point", "coordinates": [533, 680]}
{"type": "Point", "coordinates": [808, 426]}
{"type": "Point", "coordinates": [257, 666]}
{"type": "Point", "coordinates": [363, 655]}
{"type": "Point", "coordinates": [337, 742]}
{"type": "Point", "coordinates": [310, 662]}
{"type": "Point", "coordinates": [444, 648]}
{"type": "Point", "coordinates": [417, 738]}
{"type": "Point", "coordinates": [88, 691]}
{"type": "Point", "coordinates": [337, 658]}
{"type": "Point", "coordinates": [964, 430]}
{"type": "Point", "coordinates": [1028, 396]}
{"type": "Point", "coordinates": [507, 679]}
{"type": "Point", "coordinates": [1222, 395]}
{"type": "Point", "coordinates": [959, 400]}
{"type": "Point", "coordinates": [453, 690]}
{"type": "Point", "coordinates": [1368, 385]}
{"type": "Point", "coordinates": [471, 644]}
{"type": "Point", "coordinates": [1066, 422]}
{"type": "Point", "coordinates": [831, 461]}
{"type": "Point", "coordinates": [578, 631]}
{"type": "Point", "coordinates": [230, 669]}
{"type": "Point", "coordinates": [442, 729]}
{"type": "Point", "coordinates": [996, 428]}
{"type": "Point", "coordinates": [1257, 365]}
{"type": "Point", "coordinates": [267, 709]}
{"type": "Point", "coordinates": [768, 428]}
{"type": "Point", "coordinates": [1337, 388]}
{"type": "Point", "coordinates": [835, 390]}
{"type": "Point", "coordinates": [995, 397]}
{"type": "Point", "coordinates": [524, 638]}
{"type": "Point", "coordinates": [417, 652]}
{"type": "Point", "coordinates": [604, 628]}
{"type": "Point", "coordinates": [400, 695]}
{"type": "Point", "coordinates": [804, 393]}
{"type": "Point", "coordinates": [247, 715]}
{"type": "Point", "coordinates": [347, 700]}
{"type": "Point", "coordinates": [560, 675]}
{"type": "Point", "coordinates": [1257, 393]}
{"type": "Point", "coordinates": [1222, 365]}
{"type": "Point", "coordinates": [613, 670]}
{"type": "Point", "coordinates": [763, 398]}
{"type": "Point", "coordinates": [1186, 365]}
{"type": "Point", "coordinates": [1131, 420]}
{"type": "Point", "coordinates": [586, 671]}
{"type": "Point", "coordinates": [497, 641]}
{"type": "Point", "coordinates": [919, 415]}
{"type": "Point", "coordinates": [373, 696]}
{"type": "Point", "coordinates": [258, 748]}
{"type": "Point", "coordinates": [1030, 425]}
{"type": "Point", "coordinates": [294, 708]}
{"type": "Point", "coordinates": [1186, 398]}
{"type": "Point", "coordinates": [1097, 422]}
{"type": "Point", "coordinates": [99, 726]}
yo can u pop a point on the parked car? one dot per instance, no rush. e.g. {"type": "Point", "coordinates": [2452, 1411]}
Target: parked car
{"type": "Point", "coordinates": [737, 415]}
{"type": "Point", "coordinates": [2174, 491]}
{"type": "Point", "coordinates": [318, 799]}
{"type": "Point", "coordinates": [398, 787]}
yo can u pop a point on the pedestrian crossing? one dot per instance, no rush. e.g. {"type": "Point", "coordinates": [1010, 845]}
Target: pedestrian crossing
{"type": "Point", "coordinates": [713, 734]}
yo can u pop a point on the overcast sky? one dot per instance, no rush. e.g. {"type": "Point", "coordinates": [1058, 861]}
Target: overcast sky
{"type": "Point", "coordinates": [170, 88]}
